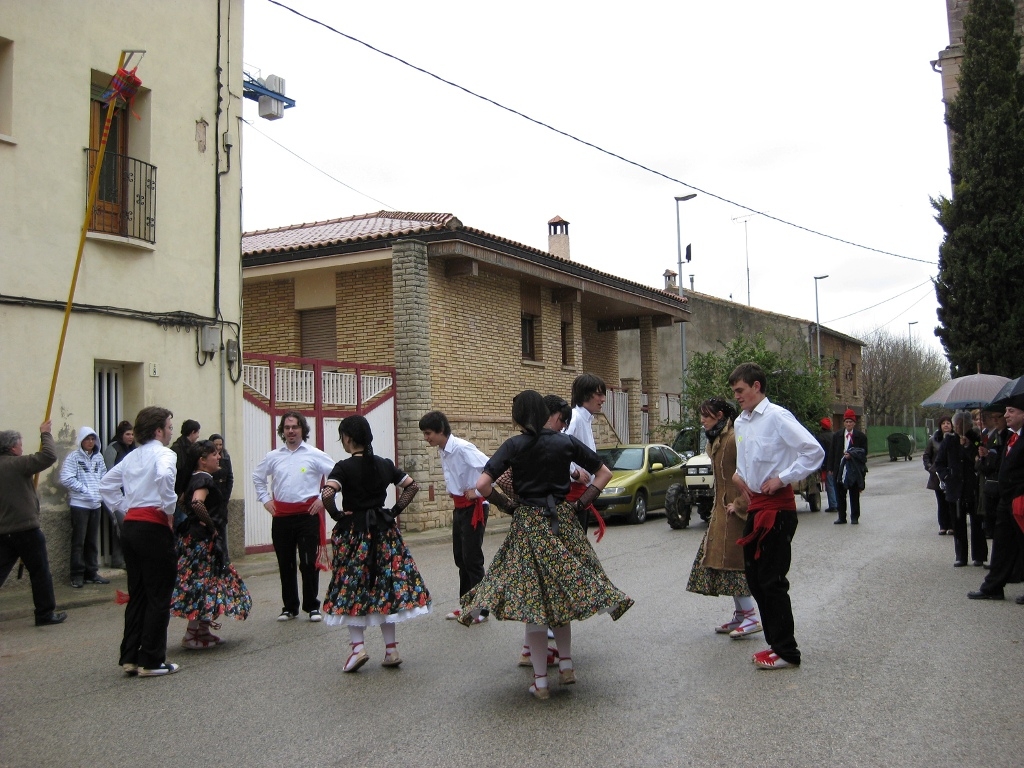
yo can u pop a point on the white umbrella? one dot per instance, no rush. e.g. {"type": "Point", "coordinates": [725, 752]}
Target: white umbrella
{"type": "Point", "coordinates": [972, 391]}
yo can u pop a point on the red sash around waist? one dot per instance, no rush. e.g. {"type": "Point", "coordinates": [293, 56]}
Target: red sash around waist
{"type": "Point", "coordinates": [461, 502]}
{"type": "Point", "coordinates": [575, 491]}
{"type": "Point", "coordinates": [148, 515]}
{"type": "Point", "coordinates": [764, 507]}
{"type": "Point", "coordinates": [284, 508]}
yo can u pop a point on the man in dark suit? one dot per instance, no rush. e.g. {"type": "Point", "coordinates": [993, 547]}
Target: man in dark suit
{"type": "Point", "coordinates": [1008, 540]}
{"type": "Point", "coordinates": [842, 441]}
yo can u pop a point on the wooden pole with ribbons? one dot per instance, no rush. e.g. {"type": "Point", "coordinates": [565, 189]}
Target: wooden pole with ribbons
{"type": "Point", "coordinates": [123, 86]}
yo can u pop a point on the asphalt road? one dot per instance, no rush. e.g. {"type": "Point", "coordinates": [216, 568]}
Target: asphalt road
{"type": "Point", "coordinates": [899, 669]}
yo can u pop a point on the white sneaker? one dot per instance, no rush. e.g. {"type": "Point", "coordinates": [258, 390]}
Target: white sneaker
{"type": "Point", "coordinates": [315, 616]}
{"type": "Point", "coordinates": [286, 616]}
{"type": "Point", "coordinates": [167, 668]}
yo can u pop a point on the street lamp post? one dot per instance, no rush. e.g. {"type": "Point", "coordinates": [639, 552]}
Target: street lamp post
{"type": "Point", "coordinates": [910, 338]}
{"type": "Point", "coordinates": [679, 285]}
{"type": "Point", "coordinates": [817, 322]}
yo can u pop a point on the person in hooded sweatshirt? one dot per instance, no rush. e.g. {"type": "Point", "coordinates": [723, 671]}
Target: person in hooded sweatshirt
{"type": "Point", "coordinates": [80, 474]}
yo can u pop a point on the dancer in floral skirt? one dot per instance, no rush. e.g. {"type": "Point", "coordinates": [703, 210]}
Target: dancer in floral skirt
{"type": "Point", "coordinates": [375, 580]}
{"type": "Point", "coordinates": [208, 585]}
{"type": "Point", "coordinates": [545, 573]}
{"type": "Point", "coordinates": [718, 567]}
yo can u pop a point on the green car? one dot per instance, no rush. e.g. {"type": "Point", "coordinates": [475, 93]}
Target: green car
{"type": "Point", "coordinates": [641, 474]}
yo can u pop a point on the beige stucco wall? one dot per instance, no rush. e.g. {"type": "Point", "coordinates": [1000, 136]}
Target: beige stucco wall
{"type": "Point", "coordinates": [42, 200]}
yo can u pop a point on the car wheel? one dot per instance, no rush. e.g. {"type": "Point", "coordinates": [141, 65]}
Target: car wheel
{"type": "Point", "coordinates": [704, 510]}
{"type": "Point", "coordinates": [814, 501]}
{"type": "Point", "coordinates": [677, 507]}
{"type": "Point", "coordinates": [639, 512]}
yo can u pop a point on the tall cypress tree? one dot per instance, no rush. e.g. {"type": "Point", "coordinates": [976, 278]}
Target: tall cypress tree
{"type": "Point", "coordinates": [980, 285]}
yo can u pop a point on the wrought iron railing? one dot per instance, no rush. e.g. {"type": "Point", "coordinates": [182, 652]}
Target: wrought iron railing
{"type": "Point", "coordinates": [126, 199]}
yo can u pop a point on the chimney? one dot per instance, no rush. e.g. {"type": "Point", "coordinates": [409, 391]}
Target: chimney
{"type": "Point", "coordinates": [558, 238]}
{"type": "Point", "coordinates": [670, 281]}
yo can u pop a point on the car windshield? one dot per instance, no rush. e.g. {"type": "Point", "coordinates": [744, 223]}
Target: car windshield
{"type": "Point", "coordinates": [622, 458]}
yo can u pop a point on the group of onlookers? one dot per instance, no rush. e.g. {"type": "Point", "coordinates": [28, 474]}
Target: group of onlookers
{"type": "Point", "coordinates": [976, 473]}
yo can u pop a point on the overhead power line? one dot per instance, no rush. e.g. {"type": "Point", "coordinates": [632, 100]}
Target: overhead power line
{"type": "Point", "coordinates": [884, 301]}
{"type": "Point", "coordinates": [315, 167]}
{"type": "Point", "coordinates": [617, 156]}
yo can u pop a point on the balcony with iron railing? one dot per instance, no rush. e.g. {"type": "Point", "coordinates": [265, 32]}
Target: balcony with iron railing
{"type": "Point", "coordinates": [126, 199]}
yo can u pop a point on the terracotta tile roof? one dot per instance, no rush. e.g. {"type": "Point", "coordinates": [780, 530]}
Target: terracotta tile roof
{"type": "Point", "coordinates": [382, 225]}
{"type": "Point", "coordinates": [367, 226]}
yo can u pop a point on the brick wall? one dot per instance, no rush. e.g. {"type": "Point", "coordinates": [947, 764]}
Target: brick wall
{"type": "Point", "coordinates": [365, 316]}
{"type": "Point", "coordinates": [269, 321]}
{"type": "Point", "coordinates": [601, 353]}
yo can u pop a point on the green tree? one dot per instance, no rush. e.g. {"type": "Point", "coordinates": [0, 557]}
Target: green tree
{"type": "Point", "coordinates": [981, 259]}
{"type": "Point", "coordinates": [794, 381]}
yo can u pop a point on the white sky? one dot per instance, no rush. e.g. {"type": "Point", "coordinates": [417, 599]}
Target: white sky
{"type": "Point", "coordinates": [825, 114]}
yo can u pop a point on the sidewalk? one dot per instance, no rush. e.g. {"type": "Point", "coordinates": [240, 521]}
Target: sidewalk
{"type": "Point", "coordinates": [16, 600]}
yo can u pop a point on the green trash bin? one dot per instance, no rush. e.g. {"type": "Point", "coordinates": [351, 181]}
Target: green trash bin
{"type": "Point", "coordinates": [901, 446]}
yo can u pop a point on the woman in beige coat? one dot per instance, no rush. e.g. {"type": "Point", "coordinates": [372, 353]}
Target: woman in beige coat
{"type": "Point", "coordinates": [718, 567]}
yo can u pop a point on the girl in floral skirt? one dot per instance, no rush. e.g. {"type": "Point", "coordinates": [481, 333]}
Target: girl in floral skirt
{"type": "Point", "coordinates": [208, 585]}
{"type": "Point", "coordinates": [718, 567]}
{"type": "Point", "coordinates": [545, 573]}
{"type": "Point", "coordinates": [375, 580]}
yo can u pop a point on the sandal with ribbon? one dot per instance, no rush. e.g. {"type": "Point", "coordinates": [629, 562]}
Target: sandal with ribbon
{"type": "Point", "coordinates": [537, 691]}
{"type": "Point", "coordinates": [566, 672]}
{"type": "Point", "coordinates": [195, 640]}
{"type": "Point", "coordinates": [391, 657]}
{"type": "Point", "coordinates": [356, 659]}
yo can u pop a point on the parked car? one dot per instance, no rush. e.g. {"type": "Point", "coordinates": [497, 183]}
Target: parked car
{"type": "Point", "coordinates": [641, 476]}
{"type": "Point", "coordinates": [698, 489]}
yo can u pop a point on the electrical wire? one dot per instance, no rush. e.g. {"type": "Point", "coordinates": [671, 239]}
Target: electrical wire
{"type": "Point", "coordinates": [884, 301]}
{"type": "Point", "coordinates": [315, 167]}
{"type": "Point", "coordinates": [617, 156]}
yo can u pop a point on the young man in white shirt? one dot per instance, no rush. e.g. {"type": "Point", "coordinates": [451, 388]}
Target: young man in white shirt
{"type": "Point", "coordinates": [298, 472]}
{"type": "Point", "coordinates": [461, 462]}
{"type": "Point", "coordinates": [773, 451]}
{"type": "Point", "coordinates": [141, 489]}
{"type": "Point", "coordinates": [588, 395]}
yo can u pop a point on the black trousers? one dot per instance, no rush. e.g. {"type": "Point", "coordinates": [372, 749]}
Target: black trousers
{"type": "Point", "coordinates": [990, 503]}
{"type": "Point", "coordinates": [766, 577]}
{"type": "Point", "coordinates": [468, 548]}
{"type": "Point", "coordinates": [30, 546]}
{"type": "Point", "coordinates": [85, 542]}
{"type": "Point", "coordinates": [942, 509]}
{"type": "Point", "coordinates": [1007, 545]}
{"type": "Point", "coordinates": [302, 533]}
{"type": "Point", "coordinates": [841, 492]}
{"type": "Point", "coordinates": [152, 566]}
{"type": "Point", "coordinates": [967, 508]}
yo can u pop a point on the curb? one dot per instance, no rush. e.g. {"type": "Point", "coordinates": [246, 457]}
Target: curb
{"type": "Point", "coordinates": [16, 603]}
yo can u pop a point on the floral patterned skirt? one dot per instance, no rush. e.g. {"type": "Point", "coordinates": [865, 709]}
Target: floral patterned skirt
{"type": "Point", "coordinates": [542, 577]}
{"type": "Point", "coordinates": [206, 588]}
{"type": "Point", "coordinates": [374, 580]}
{"type": "Point", "coordinates": [712, 581]}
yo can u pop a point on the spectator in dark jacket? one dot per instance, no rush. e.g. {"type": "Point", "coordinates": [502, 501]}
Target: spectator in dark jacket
{"type": "Point", "coordinates": [189, 434]}
{"type": "Point", "coordinates": [842, 442]}
{"type": "Point", "coordinates": [225, 480]}
{"type": "Point", "coordinates": [954, 466]}
{"type": "Point", "coordinates": [20, 534]}
{"type": "Point", "coordinates": [930, 452]}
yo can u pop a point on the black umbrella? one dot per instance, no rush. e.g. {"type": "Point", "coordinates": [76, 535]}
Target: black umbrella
{"type": "Point", "coordinates": [1011, 389]}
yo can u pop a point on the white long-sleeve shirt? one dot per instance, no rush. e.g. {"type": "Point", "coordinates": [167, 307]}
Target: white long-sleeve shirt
{"type": "Point", "coordinates": [461, 462]}
{"type": "Point", "coordinates": [296, 474]}
{"type": "Point", "coordinates": [770, 442]}
{"type": "Point", "coordinates": [581, 426]}
{"type": "Point", "coordinates": [147, 475]}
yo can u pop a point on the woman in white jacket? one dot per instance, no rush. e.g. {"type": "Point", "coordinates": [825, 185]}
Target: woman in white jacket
{"type": "Point", "coordinates": [80, 474]}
